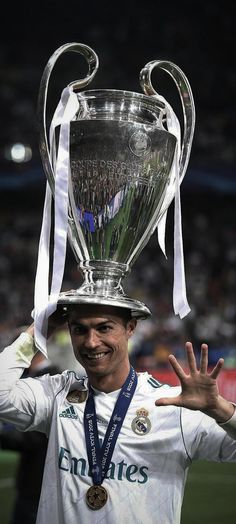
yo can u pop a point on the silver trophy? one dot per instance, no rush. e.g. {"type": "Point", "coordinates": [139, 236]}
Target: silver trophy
{"type": "Point", "coordinates": [121, 180]}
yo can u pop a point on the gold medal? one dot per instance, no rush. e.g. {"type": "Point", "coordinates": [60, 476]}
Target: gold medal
{"type": "Point", "coordinates": [96, 497]}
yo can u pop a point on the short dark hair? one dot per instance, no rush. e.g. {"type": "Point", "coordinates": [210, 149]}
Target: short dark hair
{"type": "Point", "coordinates": [123, 312]}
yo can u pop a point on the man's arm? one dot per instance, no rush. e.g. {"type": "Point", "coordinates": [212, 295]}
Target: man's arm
{"type": "Point", "coordinates": [18, 403]}
{"type": "Point", "coordinates": [15, 358]}
{"type": "Point", "coordinates": [200, 390]}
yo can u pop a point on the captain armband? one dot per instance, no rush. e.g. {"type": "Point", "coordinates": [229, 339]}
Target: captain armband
{"type": "Point", "coordinates": [25, 348]}
{"type": "Point", "coordinates": [230, 425]}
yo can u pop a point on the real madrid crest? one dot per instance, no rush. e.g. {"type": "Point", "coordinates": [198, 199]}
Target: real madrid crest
{"type": "Point", "coordinates": [76, 396]}
{"type": "Point", "coordinates": [141, 424]}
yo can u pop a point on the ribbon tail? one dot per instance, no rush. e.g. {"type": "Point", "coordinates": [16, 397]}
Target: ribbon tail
{"type": "Point", "coordinates": [181, 306]}
{"type": "Point", "coordinates": [42, 276]}
{"type": "Point", "coordinates": [161, 233]}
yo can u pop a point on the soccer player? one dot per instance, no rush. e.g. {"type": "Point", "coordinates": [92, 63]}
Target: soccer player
{"type": "Point", "coordinates": [120, 443]}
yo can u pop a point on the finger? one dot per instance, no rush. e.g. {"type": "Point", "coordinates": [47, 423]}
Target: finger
{"type": "Point", "coordinates": [216, 370]}
{"type": "Point", "coordinates": [204, 359]}
{"type": "Point", "coordinates": [191, 357]}
{"type": "Point", "coordinates": [168, 401]}
{"type": "Point", "coordinates": [177, 367]}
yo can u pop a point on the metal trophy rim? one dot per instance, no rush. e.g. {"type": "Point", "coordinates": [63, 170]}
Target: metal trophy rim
{"type": "Point", "coordinates": [130, 94]}
{"type": "Point", "coordinates": [137, 308]}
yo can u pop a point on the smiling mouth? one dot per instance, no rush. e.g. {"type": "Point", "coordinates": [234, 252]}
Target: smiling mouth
{"type": "Point", "coordinates": [96, 356]}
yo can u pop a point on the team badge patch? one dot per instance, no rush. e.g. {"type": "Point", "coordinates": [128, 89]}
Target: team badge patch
{"type": "Point", "coordinates": [141, 424]}
{"type": "Point", "coordinates": [76, 396]}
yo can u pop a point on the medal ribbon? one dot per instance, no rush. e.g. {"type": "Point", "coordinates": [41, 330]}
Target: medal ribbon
{"type": "Point", "coordinates": [100, 458]}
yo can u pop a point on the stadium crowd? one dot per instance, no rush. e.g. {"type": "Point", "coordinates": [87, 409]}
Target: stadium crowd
{"type": "Point", "coordinates": [209, 232]}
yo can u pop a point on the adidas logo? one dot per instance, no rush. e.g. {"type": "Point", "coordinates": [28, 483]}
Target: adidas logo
{"type": "Point", "coordinates": [69, 413]}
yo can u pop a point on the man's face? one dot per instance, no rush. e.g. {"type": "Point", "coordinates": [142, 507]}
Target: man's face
{"type": "Point", "coordinates": [100, 337]}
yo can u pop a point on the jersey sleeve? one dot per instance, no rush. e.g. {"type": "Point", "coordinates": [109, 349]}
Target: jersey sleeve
{"type": "Point", "coordinates": [25, 403]}
{"type": "Point", "coordinates": [204, 439]}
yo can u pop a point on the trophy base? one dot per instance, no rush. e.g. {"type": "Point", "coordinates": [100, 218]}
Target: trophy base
{"type": "Point", "coordinates": [138, 309]}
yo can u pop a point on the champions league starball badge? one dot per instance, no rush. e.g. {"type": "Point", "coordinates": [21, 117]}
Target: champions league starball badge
{"type": "Point", "coordinates": [76, 396]}
{"type": "Point", "coordinates": [114, 161]}
{"type": "Point", "coordinates": [141, 424]}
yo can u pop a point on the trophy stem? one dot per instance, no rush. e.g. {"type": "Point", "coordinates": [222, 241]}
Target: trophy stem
{"type": "Point", "coordinates": [102, 285]}
{"type": "Point", "coordinates": [102, 277]}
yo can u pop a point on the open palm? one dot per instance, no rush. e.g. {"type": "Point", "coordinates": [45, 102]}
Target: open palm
{"type": "Point", "coordinates": [199, 388]}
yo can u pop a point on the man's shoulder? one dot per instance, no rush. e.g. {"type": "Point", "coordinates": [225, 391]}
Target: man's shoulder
{"type": "Point", "coordinates": [75, 379]}
{"type": "Point", "coordinates": [54, 384]}
{"type": "Point", "coordinates": [149, 383]}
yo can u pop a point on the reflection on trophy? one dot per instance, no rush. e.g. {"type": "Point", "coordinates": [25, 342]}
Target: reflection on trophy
{"type": "Point", "coordinates": [118, 155]}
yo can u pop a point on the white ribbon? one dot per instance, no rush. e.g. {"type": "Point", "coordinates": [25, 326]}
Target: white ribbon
{"type": "Point", "coordinates": [42, 276]}
{"type": "Point", "coordinates": [180, 303]}
{"type": "Point", "coordinates": [44, 304]}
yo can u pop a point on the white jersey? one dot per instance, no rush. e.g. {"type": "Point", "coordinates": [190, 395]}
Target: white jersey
{"type": "Point", "coordinates": [147, 474]}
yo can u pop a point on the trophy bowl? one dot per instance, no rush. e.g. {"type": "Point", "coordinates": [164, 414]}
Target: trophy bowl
{"type": "Point", "coordinates": [120, 176]}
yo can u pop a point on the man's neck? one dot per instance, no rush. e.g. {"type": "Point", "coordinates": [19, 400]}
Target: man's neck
{"type": "Point", "coordinates": [108, 383]}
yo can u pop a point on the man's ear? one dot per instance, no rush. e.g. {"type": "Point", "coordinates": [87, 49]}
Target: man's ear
{"type": "Point", "coordinates": [131, 325]}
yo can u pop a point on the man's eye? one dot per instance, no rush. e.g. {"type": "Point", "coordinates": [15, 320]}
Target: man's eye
{"type": "Point", "coordinates": [78, 330]}
{"type": "Point", "coordinates": [104, 329]}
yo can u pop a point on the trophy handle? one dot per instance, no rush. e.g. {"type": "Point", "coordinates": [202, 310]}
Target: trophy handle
{"type": "Point", "coordinates": [93, 62]}
{"type": "Point", "coordinates": [187, 101]}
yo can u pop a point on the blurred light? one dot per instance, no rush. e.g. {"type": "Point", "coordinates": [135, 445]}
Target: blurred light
{"type": "Point", "coordinates": [18, 153]}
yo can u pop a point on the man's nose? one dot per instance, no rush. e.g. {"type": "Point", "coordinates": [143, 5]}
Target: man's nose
{"type": "Point", "coordinates": [92, 339]}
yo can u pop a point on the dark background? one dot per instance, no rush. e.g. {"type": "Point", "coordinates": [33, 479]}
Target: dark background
{"type": "Point", "coordinates": [200, 38]}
